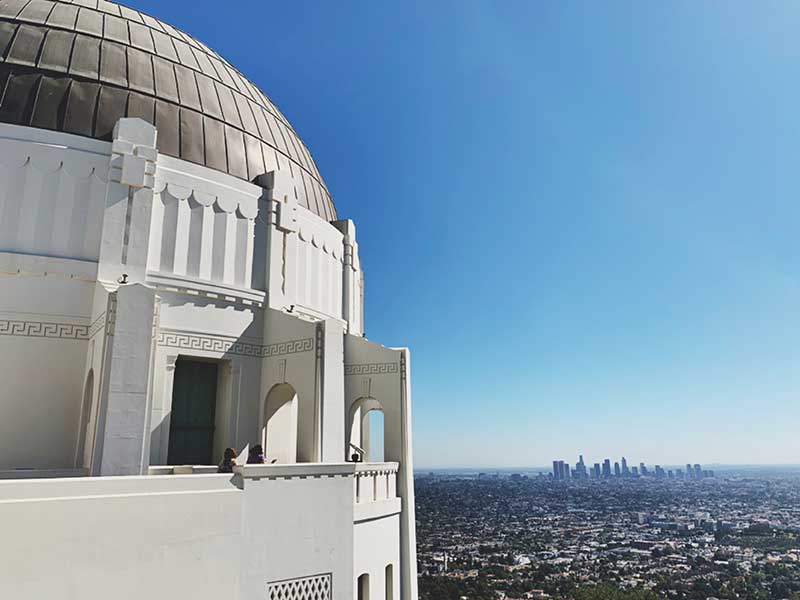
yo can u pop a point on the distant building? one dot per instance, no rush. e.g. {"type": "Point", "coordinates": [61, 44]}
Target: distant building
{"type": "Point", "coordinates": [617, 471]}
{"type": "Point", "coordinates": [596, 470]}
{"type": "Point", "coordinates": [560, 470]}
{"type": "Point", "coordinates": [580, 469]}
{"type": "Point", "coordinates": [606, 468]}
{"type": "Point", "coordinates": [625, 471]}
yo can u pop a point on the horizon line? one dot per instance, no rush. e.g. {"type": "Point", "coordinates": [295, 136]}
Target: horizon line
{"type": "Point", "coordinates": [550, 467]}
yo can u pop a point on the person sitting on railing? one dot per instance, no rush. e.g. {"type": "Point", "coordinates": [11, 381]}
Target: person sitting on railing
{"type": "Point", "coordinates": [228, 461]}
{"type": "Point", "coordinates": [256, 456]}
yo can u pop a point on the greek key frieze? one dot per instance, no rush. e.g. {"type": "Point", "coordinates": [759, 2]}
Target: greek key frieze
{"type": "Point", "coordinates": [290, 347]}
{"type": "Point", "coordinates": [209, 343]}
{"type": "Point", "coordinates": [371, 369]}
{"type": "Point", "coordinates": [64, 331]}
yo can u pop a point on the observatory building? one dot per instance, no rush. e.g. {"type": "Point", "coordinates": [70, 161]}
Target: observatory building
{"type": "Point", "coordinates": [175, 281]}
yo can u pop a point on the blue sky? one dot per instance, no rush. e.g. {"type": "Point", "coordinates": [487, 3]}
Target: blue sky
{"type": "Point", "coordinates": [582, 217]}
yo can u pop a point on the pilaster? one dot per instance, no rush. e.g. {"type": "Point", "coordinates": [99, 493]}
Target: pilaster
{"type": "Point", "coordinates": [331, 389]}
{"type": "Point", "coordinates": [352, 279]}
{"type": "Point", "coordinates": [405, 483]}
{"type": "Point", "coordinates": [279, 208]}
{"type": "Point", "coordinates": [125, 234]}
{"type": "Point", "coordinates": [125, 445]}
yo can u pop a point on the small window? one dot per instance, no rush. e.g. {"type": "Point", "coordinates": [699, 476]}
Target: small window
{"type": "Point", "coordinates": [363, 587]}
{"type": "Point", "coordinates": [389, 581]}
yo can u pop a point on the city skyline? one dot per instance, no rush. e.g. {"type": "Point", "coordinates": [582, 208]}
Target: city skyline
{"type": "Point", "coordinates": [562, 470]}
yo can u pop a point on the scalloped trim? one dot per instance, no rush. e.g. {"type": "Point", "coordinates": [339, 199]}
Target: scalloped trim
{"type": "Point", "coordinates": [48, 165]}
{"type": "Point", "coordinates": [225, 202]}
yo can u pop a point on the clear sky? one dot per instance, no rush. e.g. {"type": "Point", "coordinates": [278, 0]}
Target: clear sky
{"type": "Point", "coordinates": [582, 217]}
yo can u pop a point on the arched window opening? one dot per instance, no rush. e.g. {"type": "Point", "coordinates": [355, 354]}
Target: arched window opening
{"type": "Point", "coordinates": [366, 441]}
{"type": "Point", "coordinates": [83, 453]}
{"type": "Point", "coordinates": [389, 579]}
{"type": "Point", "coordinates": [363, 587]}
{"type": "Point", "coordinates": [279, 429]}
{"type": "Point", "coordinates": [375, 447]}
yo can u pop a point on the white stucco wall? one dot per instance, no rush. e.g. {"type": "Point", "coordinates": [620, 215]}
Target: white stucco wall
{"type": "Point", "coordinates": [45, 306]}
{"type": "Point", "coordinates": [296, 527]}
{"type": "Point", "coordinates": [376, 544]}
{"type": "Point", "coordinates": [193, 536]}
{"type": "Point", "coordinates": [129, 538]}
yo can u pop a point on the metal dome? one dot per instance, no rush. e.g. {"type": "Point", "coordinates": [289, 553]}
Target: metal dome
{"type": "Point", "coordinates": [79, 65]}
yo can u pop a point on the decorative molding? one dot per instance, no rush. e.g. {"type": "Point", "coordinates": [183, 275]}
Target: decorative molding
{"type": "Point", "coordinates": [42, 329]}
{"type": "Point", "coordinates": [280, 370]}
{"type": "Point", "coordinates": [299, 476]}
{"type": "Point", "coordinates": [208, 343]}
{"type": "Point", "coordinates": [225, 199]}
{"type": "Point", "coordinates": [134, 154]}
{"type": "Point", "coordinates": [214, 291]}
{"type": "Point", "coordinates": [212, 343]}
{"type": "Point", "coordinates": [156, 318]}
{"type": "Point", "coordinates": [371, 369]}
{"type": "Point", "coordinates": [366, 470]}
{"type": "Point", "coordinates": [289, 347]}
{"type": "Point", "coordinates": [320, 333]}
{"type": "Point", "coordinates": [77, 167]}
{"type": "Point", "coordinates": [316, 587]}
{"type": "Point", "coordinates": [98, 325]}
{"type": "Point", "coordinates": [111, 313]}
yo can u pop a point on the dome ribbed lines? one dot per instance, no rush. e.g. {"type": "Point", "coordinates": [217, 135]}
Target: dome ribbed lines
{"type": "Point", "coordinates": [78, 66]}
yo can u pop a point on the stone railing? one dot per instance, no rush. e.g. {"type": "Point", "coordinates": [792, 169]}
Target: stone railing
{"type": "Point", "coordinates": [375, 482]}
{"type": "Point", "coordinates": [375, 491]}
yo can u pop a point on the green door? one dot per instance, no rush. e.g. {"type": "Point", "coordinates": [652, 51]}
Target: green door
{"type": "Point", "coordinates": [194, 402]}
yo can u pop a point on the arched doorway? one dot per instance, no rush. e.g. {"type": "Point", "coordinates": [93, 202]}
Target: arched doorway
{"type": "Point", "coordinates": [366, 432]}
{"type": "Point", "coordinates": [83, 452]}
{"type": "Point", "coordinates": [279, 428]}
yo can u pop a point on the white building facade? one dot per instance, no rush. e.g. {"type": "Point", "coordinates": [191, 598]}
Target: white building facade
{"type": "Point", "coordinates": [174, 281]}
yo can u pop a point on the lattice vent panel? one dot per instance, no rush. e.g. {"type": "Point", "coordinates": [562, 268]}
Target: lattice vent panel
{"type": "Point", "coordinates": [317, 587]}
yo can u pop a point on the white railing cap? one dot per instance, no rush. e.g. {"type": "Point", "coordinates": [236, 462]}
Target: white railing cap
{"type": "Point", "coordinates": [294, 469]}
{"type": "Point", "coordinates": [381, 467]}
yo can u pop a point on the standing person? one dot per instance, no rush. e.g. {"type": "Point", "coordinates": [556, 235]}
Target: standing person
{"type": "Point", "coordinates": [228, 461]}
{"type": "Point", "coordinates": [256, 456]}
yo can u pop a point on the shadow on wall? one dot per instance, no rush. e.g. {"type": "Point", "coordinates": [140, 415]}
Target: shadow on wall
{"type": "Point", "coordinates": [279, 426]}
